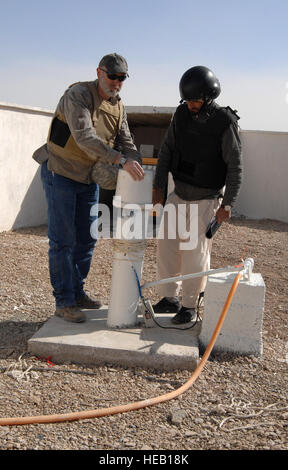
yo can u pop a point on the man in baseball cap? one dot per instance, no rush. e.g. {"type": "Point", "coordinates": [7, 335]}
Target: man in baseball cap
{"type": "Point", "coordinates": [88, 142]}
{"type": "Point", "coordinates": [114, 63]}
{"type": "Point", "coordinates": [111, 73]}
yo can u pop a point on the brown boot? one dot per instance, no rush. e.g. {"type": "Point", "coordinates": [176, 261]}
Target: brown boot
{"type": "Point", "coordinates": [86, 302]}
{"type": "Point", "coordinates": [72, 314]}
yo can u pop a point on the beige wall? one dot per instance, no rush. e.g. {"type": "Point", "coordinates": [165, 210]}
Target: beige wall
{"type": "Point", "coordinates": [22, 202]}
{"type": "Point", "coordinates": [264, 192]}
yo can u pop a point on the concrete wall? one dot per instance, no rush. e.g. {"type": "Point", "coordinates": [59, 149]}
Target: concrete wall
{"type": "Point", "coordinates": [264, 192]}
{"type": "Point", "coordinates": [22, 130]}
{"type": "Point", "coordinates": [22, 201]}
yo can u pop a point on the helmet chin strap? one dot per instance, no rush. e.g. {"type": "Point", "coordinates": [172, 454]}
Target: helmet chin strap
{"type": "Point", "coordinates": [206, 105]}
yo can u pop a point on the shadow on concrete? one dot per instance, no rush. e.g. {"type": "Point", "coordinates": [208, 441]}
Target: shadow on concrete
{"type": "Point", "coordinates": [33, 210]}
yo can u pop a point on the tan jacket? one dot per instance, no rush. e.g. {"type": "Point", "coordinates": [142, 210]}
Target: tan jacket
{"type": "Point", "coordinates": [67, 157]}
{"type": "Point", "coordinates": [83, 131]}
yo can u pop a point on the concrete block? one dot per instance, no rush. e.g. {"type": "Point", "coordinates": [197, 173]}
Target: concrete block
{"type": "Point", "coordinates": [93, 342]}
{"type": "Point", "coordinates": [242, 329]}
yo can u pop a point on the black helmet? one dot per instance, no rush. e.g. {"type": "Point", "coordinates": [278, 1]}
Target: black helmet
{"type": "Point", "coordinates": [199, 83]}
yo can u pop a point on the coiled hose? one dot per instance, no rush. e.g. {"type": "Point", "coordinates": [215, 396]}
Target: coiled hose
{"type": "Point", "coordinates": [100, 412]}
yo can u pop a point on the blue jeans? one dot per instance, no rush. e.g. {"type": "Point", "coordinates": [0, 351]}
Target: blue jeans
{"type": "Point", "coordinates": [70, 243]}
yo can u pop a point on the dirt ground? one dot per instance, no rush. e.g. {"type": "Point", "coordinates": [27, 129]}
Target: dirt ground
{"type": "Point", "coordinates": [237, 403]}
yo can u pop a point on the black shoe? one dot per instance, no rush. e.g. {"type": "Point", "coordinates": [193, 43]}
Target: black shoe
{"type": "Point", "coordinates": [86, 302]}
{"type": "Point", "coordinates": [166, 306]}
{"type": "Point", "coordinates": [185, 315]}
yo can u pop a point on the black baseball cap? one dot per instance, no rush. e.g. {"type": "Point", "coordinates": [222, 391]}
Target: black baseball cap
{"type": "Point", "coordinates": [114, 63]}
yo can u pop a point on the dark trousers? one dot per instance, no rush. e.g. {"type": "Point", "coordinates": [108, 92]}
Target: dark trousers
{"type": "Point", "coordinates": [70, 243]}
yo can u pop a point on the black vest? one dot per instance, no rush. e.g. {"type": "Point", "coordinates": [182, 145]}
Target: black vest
{"type": "Point", "coordinates": [198, 158]}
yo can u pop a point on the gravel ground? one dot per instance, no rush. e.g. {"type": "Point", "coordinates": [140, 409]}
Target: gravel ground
{"type": "Point", "coordinates": [237, 403]}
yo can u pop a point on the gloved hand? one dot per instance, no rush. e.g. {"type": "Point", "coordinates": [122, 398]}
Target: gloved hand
{"type": "Point", "coordinates": [222, 215]}
{"type": "Point", "coordinates": [105, 175]}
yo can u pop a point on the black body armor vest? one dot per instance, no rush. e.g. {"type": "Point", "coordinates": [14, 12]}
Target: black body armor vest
{"type": "Point", "coordinates": [198, 158]}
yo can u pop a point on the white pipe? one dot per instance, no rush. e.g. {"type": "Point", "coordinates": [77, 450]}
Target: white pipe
{"type": "Point", "coordinates": [246, 271]}
{"type": "Point", "coordinates": [128, 251]}
{"type": "Point", "coordinates": [124, 297]}
{"type": "Point", "coordinates": [248, 267]}
{"type": "Point", "coordinates": [192, 275]}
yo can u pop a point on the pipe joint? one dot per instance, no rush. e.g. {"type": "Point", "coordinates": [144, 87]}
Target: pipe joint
{"type": "Point", "coordinates": [248, 268]}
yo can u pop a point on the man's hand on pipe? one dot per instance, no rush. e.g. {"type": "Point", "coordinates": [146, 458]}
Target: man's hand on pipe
{"type": "Point", "coordinates": [134, 169]}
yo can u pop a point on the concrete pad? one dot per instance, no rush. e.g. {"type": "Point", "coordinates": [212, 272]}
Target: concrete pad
{"type": "Point", "coordinates": [92, 342]}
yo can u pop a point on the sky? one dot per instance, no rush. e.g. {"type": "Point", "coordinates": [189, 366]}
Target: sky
{"type": "Point", "coordinates": [48, 45]}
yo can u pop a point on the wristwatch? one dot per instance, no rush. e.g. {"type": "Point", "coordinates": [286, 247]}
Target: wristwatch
{"type": "Point", "coordinates": [122, 162]}
{"type": "Point", "coordinates": [227, 208]}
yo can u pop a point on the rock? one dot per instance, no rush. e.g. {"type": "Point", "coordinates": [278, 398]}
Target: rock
{"type": "Point", "coordinates": [190, 434]}
{"type": "Point", "coordinates": [177, 416]}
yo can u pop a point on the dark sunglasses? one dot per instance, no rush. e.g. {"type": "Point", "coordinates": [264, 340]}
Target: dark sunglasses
{"type": "Point", "coordinates": [114, 76]}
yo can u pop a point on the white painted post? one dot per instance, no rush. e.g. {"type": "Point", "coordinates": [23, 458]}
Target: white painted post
{"type": "Point", "coordinates": [131, 197]}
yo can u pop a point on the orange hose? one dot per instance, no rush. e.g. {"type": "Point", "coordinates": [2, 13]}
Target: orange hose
{"type": "Point", "coordinates": [136, 405]}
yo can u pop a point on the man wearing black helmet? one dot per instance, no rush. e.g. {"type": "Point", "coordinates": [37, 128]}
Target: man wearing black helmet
{"type": "Point", "coordinates": [202, 150]}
